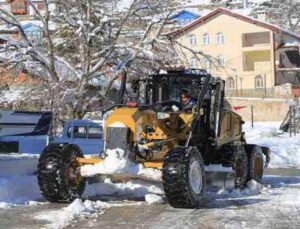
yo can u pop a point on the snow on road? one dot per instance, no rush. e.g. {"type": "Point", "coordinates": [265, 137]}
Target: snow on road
{"type": "Point", "coordinates": [18, 185]}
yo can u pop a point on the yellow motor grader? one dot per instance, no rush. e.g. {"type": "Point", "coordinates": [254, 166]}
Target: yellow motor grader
{"type": "Point", "coordinates": [160, 133]}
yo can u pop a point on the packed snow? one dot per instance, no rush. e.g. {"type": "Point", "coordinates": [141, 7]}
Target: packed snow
{"type": "Point", "coordinates": [154, 199]}
{"type": "Point", "coordinates": [18, 182]}
{"type": "Point", "coordinates": [117, 162]}
{"type": "Point", "coordinates": [64, 217]}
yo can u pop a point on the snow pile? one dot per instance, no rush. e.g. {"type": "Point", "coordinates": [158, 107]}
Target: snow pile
{"type": "Point", "coordinates": [4, 205]}
{"type": "Point", "coordinates": [64, 217]}
{"type": "Point", "coordinates": [254, 186]}
{"type": "Point", "coordinates": [285, 150]}
{"type": "Point", "coordinates": [116, 162]}
{"type": "Point", "coordinates": [153, 199]}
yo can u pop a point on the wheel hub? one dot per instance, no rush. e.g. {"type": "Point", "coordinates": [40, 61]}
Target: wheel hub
{"type": "Point", "coordinates": [72, 174]}
{"type": "Point", "coordinates": [258, 164]}
{"type": "Point", "coordinates": [195, 177]}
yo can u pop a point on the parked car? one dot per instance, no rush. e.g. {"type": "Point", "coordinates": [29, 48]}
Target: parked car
{"type": "Point", "coordinates": [87, 134]}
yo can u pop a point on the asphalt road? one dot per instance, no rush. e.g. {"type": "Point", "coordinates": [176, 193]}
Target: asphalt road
{"type": "Point", "coordinates": [270, 209]}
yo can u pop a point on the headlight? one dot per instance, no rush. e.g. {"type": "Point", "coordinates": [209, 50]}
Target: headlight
{"type": "Point", "coordinates": [161, 115]}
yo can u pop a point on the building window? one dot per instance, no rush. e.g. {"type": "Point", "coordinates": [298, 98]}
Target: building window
{"type": "Point", "coordinates": [220, 38]}
{"type": "Point", "coordinates": [221, 60]}
{"type": "Point", "coordinates": [193, 40]}
{"type": "Point", "coordinates": [230, 83]}
{"type": "Point", "coordinates": [207, 63]}
{"type": "Point", "coordinates": [259, 82]}
{"type": "Point", "coordinates": [206, 39]}
{"type": "Point", "coordinates": [193, 63]}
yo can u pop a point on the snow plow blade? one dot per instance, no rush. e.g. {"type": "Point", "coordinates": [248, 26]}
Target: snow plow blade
{"type": "Point", "coordinates": [218, 179]}
{"type": "Point", "coordinates": [150, 164]}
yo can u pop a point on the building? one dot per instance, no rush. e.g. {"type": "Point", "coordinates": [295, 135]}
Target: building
{"type": "Point", "coordinates": [32, 28]}
{"type": "Point", "coordinates": [183, 17]}
{"type": "Point", "coordinates": [22, 7]}
{"type": "Point", "coordinates": [253, 56]}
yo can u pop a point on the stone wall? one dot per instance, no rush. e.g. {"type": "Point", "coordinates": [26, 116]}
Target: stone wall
{"type": "Point", "coordinates": [263, 109]}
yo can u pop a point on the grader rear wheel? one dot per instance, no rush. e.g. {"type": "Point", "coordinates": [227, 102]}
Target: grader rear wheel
{"type": "Point", "coordinates": [184, 177]}
{"type": "Point", "coordinates": [58, 174]}
{"type": "Point", "coordinates": [255, 163]}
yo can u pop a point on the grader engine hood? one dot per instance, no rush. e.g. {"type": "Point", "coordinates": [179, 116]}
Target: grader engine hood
{"type": "Point", "coordinates": [143, 130]}
{"type": "Point", "coordinates": [121, 127]}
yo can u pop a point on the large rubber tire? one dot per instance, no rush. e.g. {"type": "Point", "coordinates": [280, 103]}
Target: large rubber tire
{"type": "Point", "coordinates": [183, 177]}
{"type": "Point", "coordinates": [240, 167]}
{"type": "Point", "coordinates": [55, 165]}
{"type": "Point", "coordinates": [255, 163]}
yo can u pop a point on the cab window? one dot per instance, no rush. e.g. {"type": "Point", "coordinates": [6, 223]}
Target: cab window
{"type": "Point", "coordinates": [78, 132]}
{"type": "Point", "coordinates": [95, 132]}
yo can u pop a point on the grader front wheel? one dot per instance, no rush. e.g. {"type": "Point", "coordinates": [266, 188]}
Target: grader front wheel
{"type": "Point", "coordinates": [58, 174]}
{"type": "Point", "coordinates": [184, 177]}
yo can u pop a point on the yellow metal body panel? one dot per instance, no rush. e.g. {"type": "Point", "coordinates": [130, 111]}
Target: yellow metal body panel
{"type": "Point", "coordinates": [128, 116]}
{"type": "Point", "coordinates": [82, 161]}
{"type": "Point", "coordinates": [170, 132]}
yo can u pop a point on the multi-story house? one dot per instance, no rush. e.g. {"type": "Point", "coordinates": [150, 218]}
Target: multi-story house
{"type": "Point", "coordinates": [253, 56]}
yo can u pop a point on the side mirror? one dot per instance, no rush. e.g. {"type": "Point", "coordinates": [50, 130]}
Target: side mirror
{"type": "Point", "coordinates": [162, 115]}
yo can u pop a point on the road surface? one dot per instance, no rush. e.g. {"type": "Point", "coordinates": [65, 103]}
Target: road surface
{"type": "Point", "coordinates": [276, 206]}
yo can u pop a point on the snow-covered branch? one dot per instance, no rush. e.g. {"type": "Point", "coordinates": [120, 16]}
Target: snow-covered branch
{"type": "Point", "coordinates": [90, 40]}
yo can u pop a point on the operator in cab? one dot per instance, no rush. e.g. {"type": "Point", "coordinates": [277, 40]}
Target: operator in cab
{"type": "Point", "coordinates": [187, 101]}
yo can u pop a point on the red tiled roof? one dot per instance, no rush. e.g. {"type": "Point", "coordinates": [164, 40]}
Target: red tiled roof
{"type": "Point", "coordinates": [263, 24]}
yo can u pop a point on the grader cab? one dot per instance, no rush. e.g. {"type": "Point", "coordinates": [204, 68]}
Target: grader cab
{"type": "Point", "coordinates": [158, 132]}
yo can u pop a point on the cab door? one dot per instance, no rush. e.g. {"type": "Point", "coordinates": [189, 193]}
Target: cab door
{"type": "Point", "coordinates": [230, 126]}
{"type": "Point", "coordinates": [88, 136]}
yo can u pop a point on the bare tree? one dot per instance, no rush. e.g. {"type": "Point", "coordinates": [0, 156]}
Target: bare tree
{"type": "Point", "coordinates": [92, 42]}
{"type": "Point", "coordinates": [285, 13]}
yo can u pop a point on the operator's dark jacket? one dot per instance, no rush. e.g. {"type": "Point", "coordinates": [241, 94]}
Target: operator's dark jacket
{"type": "Point", "coordinates": [187, 107]}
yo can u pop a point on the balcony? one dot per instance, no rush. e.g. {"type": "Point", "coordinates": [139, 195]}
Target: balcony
{"type": "Point", "coordinates": [257, 61]}
{"type": "Point", "coordinates": [256, 40]}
